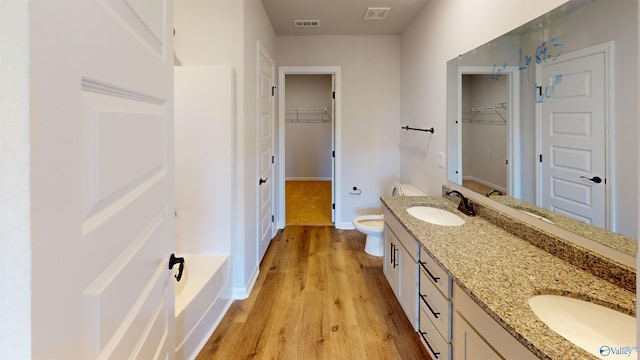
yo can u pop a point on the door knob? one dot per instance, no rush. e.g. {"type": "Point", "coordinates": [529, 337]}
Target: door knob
{"type": "Point", "coordinates": [595, 179]}
{"type": "Point", "coordinates": [262, 181]}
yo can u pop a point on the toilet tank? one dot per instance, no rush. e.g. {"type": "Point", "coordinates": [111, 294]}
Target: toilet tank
{"type": "Point", "coordinates": [398, 189]}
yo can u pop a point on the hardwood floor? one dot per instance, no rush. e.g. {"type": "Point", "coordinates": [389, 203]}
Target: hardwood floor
{"type": "Point", "coordinates": [308, 202]}
{"type": "Point", "coordinates": [318, 296]}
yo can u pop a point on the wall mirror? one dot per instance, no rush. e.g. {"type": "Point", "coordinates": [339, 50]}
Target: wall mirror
{"type": "Point", "coordinates": [544, 119]}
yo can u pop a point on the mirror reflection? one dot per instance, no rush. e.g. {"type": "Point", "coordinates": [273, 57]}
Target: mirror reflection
{"type": "Point", "coordinates": [544, 119]}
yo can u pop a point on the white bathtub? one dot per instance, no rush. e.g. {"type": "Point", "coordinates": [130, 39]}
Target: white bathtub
{"type": "Point", "coordinates": [202, 299]}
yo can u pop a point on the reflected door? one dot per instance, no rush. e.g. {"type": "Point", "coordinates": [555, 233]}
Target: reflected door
{"type": "Point", "coordinates": [572, 128]}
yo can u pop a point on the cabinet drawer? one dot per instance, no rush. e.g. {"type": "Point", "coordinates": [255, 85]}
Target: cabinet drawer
{"type": "Point", "coordinates": [431, 270]}
{"type": "Point", "coordinates": [435, 306]}
{"type": "Point", "coordinates": [438, 348]}
{"type": "Point", "coordinates": [402, 234]}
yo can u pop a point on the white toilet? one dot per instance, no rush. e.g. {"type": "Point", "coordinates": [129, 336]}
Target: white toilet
{"type": "Point", "coordinates": [373, 225]}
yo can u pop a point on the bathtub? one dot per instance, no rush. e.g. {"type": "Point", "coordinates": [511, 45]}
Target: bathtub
{"type": "Point", "coordinates": [202, 299]}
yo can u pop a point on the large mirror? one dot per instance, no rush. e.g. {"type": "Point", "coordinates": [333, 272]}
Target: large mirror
{"type": "Point", "coordinates": [545, 120]}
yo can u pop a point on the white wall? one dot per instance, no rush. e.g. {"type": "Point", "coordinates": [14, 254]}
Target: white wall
{"type": "Point", "coordinates": [15, 244]}
{"type": "Point", "coordinates": [442, 31]}
{"type": "Point", "coordinates": [225, 33]}
{"type": "Point", "coordinates": [308, 133]}
{"type": "Point", "coordinates": [370, 127]}
{"type": "Point", "coordinates": [204, 159]}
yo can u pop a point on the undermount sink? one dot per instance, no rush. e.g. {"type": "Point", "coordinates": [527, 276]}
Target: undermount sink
{"type": "Point", "coordinates": [435, 216]}
{"type": "Point", "coordinates": [537, 216]}
{"type": "Point", "coordinates": [596, 329]}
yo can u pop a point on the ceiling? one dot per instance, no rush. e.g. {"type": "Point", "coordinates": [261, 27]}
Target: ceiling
{"type": "Point", "coordinates": [341, 17]}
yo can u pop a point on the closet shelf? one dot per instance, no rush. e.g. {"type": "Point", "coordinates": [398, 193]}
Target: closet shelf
{"type": "Point", "coordinates": [308, 115]}
{"type": "Point", "coordinates": [499, 109]}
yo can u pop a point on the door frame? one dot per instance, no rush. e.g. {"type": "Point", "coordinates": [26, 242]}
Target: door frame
{"type": "Point", "coordinates": [334, 71]}
{"type": "Point", "coordinates": [513, 125]}
{"type": "Point", "coordinates": [608, 49]}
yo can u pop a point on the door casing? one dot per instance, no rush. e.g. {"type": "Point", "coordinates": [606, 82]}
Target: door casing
{"type": "Point", "coordinates": [334, 71]}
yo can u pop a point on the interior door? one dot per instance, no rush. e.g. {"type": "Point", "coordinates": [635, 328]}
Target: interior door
{"type": "Point", "coordinates": [266, 157]}
{"type": "Point", "coordinates": [102, 179]}
{"type": "Point", "coordinates": [573, 132]}
{"type": "Point", "coordinates": [333, 148]}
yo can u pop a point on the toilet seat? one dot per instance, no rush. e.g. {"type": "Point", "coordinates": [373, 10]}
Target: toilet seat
{"type": "Point", "coordinates": [372, 223]}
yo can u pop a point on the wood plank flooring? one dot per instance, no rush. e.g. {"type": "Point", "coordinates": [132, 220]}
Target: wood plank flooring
{"type": "Point", "coordinates": [318, 296]}
{"type": "Point", "coordinates": [308, 202]}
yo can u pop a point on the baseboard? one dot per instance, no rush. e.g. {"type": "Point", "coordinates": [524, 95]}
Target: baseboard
{"type": "Point", "coordinates": [344, 226]}
{"type": "Point", "coordinates": [308, 179]}
{"type": "Point", "coordinates": [485, 183]}
{"type": "Point", "coordinates": [241, 293]}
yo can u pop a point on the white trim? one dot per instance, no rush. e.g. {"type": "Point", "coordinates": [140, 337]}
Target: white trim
{"type": "Point", "coordinates": [15, 182]}
{"type": "Point", "coordinates": [240, 293]}
{"type": "Point", "coordinates": [513, 125]}
{"type": "Point", "coordinates": [308, 70]}
{"type": "Point", "coordinates": [609, 125]}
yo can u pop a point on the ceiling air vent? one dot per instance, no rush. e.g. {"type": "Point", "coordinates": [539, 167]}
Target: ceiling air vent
{"type": "Point", "coordinates": [306, 23]}
{"type": "Point", "coordinates": [376, 13]}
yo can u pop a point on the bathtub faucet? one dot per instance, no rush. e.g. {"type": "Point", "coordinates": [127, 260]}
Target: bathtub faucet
{"type": "Point", "coordinates": [173, 259]}
{"type": "Point", "coordinates": [465, 206]}
{"type": "Point", "coordinates": [494, 191]}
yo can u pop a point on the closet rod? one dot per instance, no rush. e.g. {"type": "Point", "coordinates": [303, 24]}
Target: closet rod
{"type": "Point", "coordinates": [425, 130]}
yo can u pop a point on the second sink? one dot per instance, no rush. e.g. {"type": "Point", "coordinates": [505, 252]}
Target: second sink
{"type": "Point", "coordinates": [435, 216]}
{"type": "Point", "coordinates": [597, 329]}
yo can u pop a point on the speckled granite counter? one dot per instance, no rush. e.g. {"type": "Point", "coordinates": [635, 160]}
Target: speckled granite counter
{"type": "Point", "coordinates": [620, 242]}
{"type": "Point", "coordinates": [501, 272]}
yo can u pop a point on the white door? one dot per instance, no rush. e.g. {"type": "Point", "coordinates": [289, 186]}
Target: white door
{"type": "Point", "coordinates": [102, 179]}
{"type": "Point", "coordinates": [266, 157]}
{"type": "Point", "coordinates": [573, 132]}
{"type": "Point", "coordinates": [333, 148]}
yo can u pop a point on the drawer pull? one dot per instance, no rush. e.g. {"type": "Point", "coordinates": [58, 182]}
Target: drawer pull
{"type": "Point", "coordinates": [395, 252]}
{"type": "Point", "coordinates": [424, 266]}
{"type": "Point", "coordinates": [424, 298]}
{"type": "Point", "coordinates": [422, 333]}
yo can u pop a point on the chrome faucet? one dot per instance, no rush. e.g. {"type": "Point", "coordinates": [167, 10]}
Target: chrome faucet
{"type": "Point", "coordinates": [494, 191]}
{"type": "Point", "coordinates": [465, 206]}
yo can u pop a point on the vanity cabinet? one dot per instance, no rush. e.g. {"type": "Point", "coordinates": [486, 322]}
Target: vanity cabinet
{"type": "Point", "coordinates": [401, 265]}
{"type": "Point", "coordinates": [477, 336]}
{"type": "Point", "coordinates": [434, 307]}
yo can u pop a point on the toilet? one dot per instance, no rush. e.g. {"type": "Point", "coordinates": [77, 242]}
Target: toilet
{"type": "Point", "coordinates": [373, 225]}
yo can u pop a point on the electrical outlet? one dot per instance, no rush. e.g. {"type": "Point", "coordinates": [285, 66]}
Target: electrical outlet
{"type": "Point", "coordinates": [441, 159]}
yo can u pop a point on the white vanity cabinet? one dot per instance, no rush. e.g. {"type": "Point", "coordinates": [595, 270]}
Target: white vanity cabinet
{"type": "Point", "coordinates": [435, 308]}
{"type": "Point", "coordinates": [477, 336]}
{"type": "Point", "coordinates": [401, 265]}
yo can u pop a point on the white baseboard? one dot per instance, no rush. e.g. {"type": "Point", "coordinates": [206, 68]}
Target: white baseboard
{"type": "Point", "coordinates": [240, 293]}
{"type": "Point", "coordinates": [344, 226]}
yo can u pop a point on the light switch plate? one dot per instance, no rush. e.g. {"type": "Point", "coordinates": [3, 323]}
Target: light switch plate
{"type": "Point", "coordinates": [441, 159]}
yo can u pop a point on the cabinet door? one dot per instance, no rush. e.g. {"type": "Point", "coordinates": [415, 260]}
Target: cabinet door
{"type": "Point", "coordinates": [390, 265]}
{"type": "Point", "coordinates": [468, 344]}
{"type": "Point", "coordinates": [408, 293]}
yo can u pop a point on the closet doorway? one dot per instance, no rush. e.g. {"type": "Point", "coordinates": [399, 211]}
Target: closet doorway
{"type": "Point", "coordinates": [489, 130]}
{"type": "Point", "coordinates": [309, 114]}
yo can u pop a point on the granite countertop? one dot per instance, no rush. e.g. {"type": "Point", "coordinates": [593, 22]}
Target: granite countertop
{"type": "Point", "coordinates": [620, 242]}
{"type": "Point", "coordinates": [501, 272]}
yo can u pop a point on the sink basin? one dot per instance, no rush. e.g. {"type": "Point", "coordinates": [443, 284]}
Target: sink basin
{"type": "Point", "coordinates": [435, 216]}
{"type": "Point", "coordinates": [536, 216]}
{"type": "Point", "coordinates": [596, 329]}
